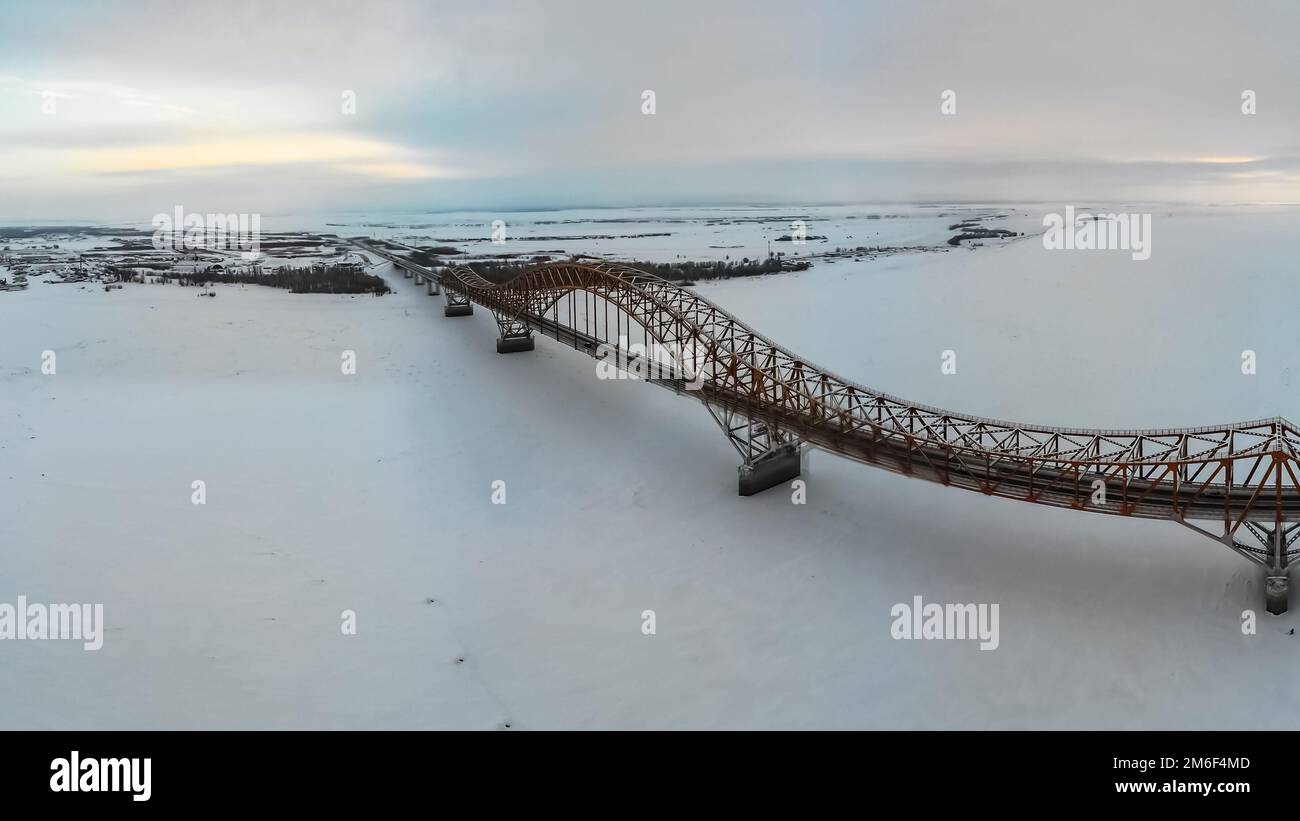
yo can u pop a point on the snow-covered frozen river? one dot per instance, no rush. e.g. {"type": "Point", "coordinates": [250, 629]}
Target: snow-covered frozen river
{"type": "Point", "coordinates": [372, 493]}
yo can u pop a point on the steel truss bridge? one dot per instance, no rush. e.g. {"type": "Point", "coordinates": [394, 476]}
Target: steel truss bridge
{"type": "Point", "coordinates": [1238, 484]}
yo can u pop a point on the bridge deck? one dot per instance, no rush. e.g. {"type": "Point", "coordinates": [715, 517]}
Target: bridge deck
{"type": "Point", "coordinates": [1243, 476]}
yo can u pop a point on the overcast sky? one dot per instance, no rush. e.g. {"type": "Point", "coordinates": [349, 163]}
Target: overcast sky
{"type": "Point", "coordinates": [237, 106]}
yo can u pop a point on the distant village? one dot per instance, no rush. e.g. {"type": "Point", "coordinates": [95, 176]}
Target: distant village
{"type": "Point", "coordinates": [301, 263]}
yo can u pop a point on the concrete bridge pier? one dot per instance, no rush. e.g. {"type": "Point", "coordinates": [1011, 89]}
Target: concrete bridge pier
{"type": "Point", "coordinates": [457, 305]}
{"type": "Point", "coordinates": [515, 344]}
{"type": "Point", "coordinates": [1276, 589]}
{"type": "Point", "coordinates": [515, 336]}
{"type": "Point", "coordinates": [775, 467]}
{"type": "Point", "coordinates": [433, 286]}
{"type": "Point", "coordinates": [406, 272]}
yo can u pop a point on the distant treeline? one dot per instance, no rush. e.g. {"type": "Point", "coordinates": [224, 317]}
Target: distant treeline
{"type": "Point", "coordinates": [428, 257]}
{"type": "Point", "coordinates": [494, 271]}
{"type": "Point", "coordinates": [981, 233]}
{"type": "Point", "coordinates": [29, 232]}
{"type": "Point", "coordinates": [332, 279]}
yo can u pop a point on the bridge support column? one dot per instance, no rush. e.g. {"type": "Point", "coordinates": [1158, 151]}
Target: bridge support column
{"type": "Point", "coordinates": [775, 467]}
{"type": "Point", "coordinates": [515, 335]}
{"type": "Point", "coordinates": [1276, 589]}
{"type": "Point", "coordinates": [433, 286]}
{"type": "Point", "coordinates": [457, 305]}
{"type": "Point", "coordinates": [515, 344]}
{"type": "Point", "coordinates": [406, 272]}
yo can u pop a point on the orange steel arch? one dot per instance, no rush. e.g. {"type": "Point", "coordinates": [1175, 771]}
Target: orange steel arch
{"type": "Point", "coordinates": [1238, 484]}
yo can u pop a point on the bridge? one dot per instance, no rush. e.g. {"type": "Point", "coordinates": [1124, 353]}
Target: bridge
{"type": "Point", "coordinates": [1237, 484]}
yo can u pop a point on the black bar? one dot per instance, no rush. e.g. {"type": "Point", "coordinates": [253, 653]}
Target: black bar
{"type": "Point", "coordinates": [329, 770]}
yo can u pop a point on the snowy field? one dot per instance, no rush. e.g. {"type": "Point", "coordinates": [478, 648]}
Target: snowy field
{"type": "Point", "coordinates": [372, 492]}
{"type": "Point", "coordinates": [656, 234]}
{"type": "Point", "coordinates": [668, 234]}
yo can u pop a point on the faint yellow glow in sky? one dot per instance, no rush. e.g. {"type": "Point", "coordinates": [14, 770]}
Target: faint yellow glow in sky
{"type": "Point", "coordinates": [359, 155]}
{"type": "Point", "coordinates": [1228, 160]}
{"type": "Point", "coordinates": [396, 170]}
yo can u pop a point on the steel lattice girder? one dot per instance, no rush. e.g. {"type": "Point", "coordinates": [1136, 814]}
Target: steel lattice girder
{"type": "Point", "coordinates": [1243, 476]}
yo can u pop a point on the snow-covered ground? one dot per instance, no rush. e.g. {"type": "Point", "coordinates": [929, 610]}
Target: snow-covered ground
{"type": "Point", "coordinates": [373, 493]}
{"type": "Point", "coordinates": [656, 234]}
{"type": "Point", "coordinates": [668, 234]}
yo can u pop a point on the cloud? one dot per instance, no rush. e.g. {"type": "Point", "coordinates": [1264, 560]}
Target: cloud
{"type": "Point", "coordinates": [501, 102]}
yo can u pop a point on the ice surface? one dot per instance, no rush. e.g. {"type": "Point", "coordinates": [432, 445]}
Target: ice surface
{"type": "Point", "coordinates": [372, 493]}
